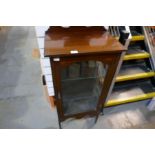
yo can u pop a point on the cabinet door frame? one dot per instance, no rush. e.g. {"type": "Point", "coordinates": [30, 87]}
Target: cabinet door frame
{"type": "Point", "coordinates": [111, 59]}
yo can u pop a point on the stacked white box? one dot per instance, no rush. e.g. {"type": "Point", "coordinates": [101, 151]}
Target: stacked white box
{"type": "Point", "coordinates": [41, 42]}
{"type": "Point", "coordinates": [45, 62]}
{"type": "Point", "coordinates": [40, 30]}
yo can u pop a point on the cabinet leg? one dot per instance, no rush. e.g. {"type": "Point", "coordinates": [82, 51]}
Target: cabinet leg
{"type": "Point", "coordinates": [102, 112]}
{"type": "Point", "coordinates": [96, 119]}
{"type": "Point", "coordinates": [60, 127]}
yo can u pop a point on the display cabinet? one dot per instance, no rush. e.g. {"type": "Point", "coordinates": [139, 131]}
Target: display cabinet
{"type": "Point", "coordinates": [85, 61]}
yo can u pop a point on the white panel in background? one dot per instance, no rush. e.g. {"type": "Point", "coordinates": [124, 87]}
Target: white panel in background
{"type": "Point", "coordinates": [45, 62]}
{"type": "Point", "coordinates": [46, 70]}
{"type": "Point", "coordinates": [41, 42]}
{"type": "Point", "coordinates": [48, 78]}
{"type": "Point", "coordinates": [40, 30]}
{"type": "Point", "coordinates": [50, 91]}
{"type": "Point", "coordinates": [41, 51]}
{"type": "Point", "coordinates": [49, 84]}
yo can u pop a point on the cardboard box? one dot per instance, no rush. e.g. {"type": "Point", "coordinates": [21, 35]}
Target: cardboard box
{"type": "Point", "coordinates": [36, 53]}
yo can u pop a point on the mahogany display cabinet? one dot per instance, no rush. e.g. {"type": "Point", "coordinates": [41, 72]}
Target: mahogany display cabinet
{"type": "Point", "coordinates": [85, 61]}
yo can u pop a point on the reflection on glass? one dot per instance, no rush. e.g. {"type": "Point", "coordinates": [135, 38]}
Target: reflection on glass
{"type": "Point", "coordinates": [81, 86]}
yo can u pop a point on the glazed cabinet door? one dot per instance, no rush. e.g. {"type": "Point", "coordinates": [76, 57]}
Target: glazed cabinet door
{"type": "Point", "coordinates": [81, 84]}
{"type": "Point", "coordinates": [78, 86]}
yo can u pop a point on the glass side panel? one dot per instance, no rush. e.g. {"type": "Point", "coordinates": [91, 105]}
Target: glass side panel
{"type": "Point", "coordinates": [81, 86]}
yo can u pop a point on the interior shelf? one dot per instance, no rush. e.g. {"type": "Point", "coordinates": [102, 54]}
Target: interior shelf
{"type": "Point", "coordinates": [82, 99]}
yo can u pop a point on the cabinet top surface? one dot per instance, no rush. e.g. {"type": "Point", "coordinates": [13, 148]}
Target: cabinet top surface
{"type": "Point", "coordinates": [61, 41]}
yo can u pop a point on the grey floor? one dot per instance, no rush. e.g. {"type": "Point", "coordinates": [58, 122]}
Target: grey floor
{"type": "Point", "coordinates": [22, 102]}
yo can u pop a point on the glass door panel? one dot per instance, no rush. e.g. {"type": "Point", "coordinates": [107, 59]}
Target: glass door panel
{"type": "Point", "coordinates": [81, 86]}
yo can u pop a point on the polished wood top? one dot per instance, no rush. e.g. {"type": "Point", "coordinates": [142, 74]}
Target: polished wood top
{"type": "Point", "coordinates": [61, 41]}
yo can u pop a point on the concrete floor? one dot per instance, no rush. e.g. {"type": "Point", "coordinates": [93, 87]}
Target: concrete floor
{"type": "Point", "coordinates": [22, 103]}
